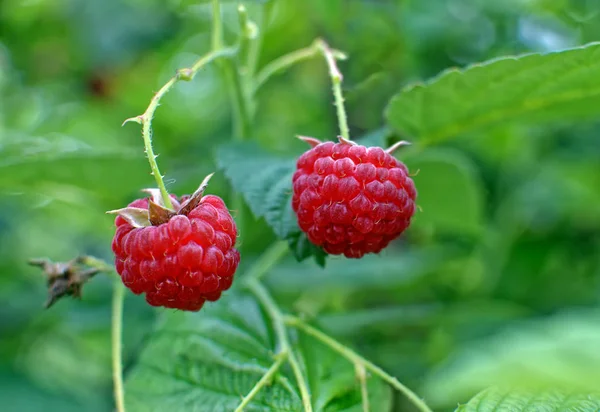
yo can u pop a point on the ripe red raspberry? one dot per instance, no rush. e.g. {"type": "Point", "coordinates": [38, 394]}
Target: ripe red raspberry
{"type": "Point", "coordinates": [350, 199]}
{"type": "Point", "coordinates": [178, 259]}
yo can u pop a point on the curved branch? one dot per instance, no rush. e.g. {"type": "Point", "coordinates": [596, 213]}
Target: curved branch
{"type": "Point", "coordinates": [145, 119]}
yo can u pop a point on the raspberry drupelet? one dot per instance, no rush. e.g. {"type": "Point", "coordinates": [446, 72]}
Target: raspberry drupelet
{"type": "Point", "coordinates": [178, 258]}
{"type": "Point", "coordinates": [350, 199]}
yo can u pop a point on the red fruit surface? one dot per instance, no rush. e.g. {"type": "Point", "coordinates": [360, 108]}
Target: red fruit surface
{"type": "Point", "coordinates": [181, 263]}
{"type": "Point", "coordinates": [350, 199]}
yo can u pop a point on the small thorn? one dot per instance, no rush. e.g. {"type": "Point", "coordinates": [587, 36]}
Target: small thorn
{"type": "Point", "coordinates": [416, 173]}
{"type": "Point", "coordinates": [346, 141]}
{"type": "Point", "coordinates": [310, 140]}
{"type": "Point", "coordinates": [396, 145]}
{"type": "Point", "coordinates": [137, 119]}
{"type": "Point", "coordinates": [185, 74]}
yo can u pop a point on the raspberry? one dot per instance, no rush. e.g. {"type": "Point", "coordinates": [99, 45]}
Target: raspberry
{"type": "Point", "coordinates": [350, 199]}
{"type": "Point", "coordinates": [177, 259]}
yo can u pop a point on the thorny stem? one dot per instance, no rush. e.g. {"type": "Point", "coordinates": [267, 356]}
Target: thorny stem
{"type": "Point", "coordinates": [266, 378]}
{"type": "Point", "coordinates": [292, 58]}
{"type": "Point", "coordinates": [117, 330]}
{"type": "Point", "coordinates": [336, 80]}
{"type": "Point", "coordinates": [357, 359]}
{"type": "Point", "coordinates": [145, 119]}
{"type": "Point", "coordinates": [284, 344]}
{"type": "Point", "coordinates": [361, 375]}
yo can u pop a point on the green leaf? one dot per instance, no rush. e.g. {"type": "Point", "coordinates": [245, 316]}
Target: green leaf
{"type": "Point", "coordinates": [534, 88]}
{"type": "Point", "coordinates": [209, 360]}
{"type": "Point", "coordinates": [333, 382]}
{"type": "Point", "coordinates": [302, 248]}
{"type": "Point", "coordinates": [450, 192]}
{"type": "Point", "coordinates": [29, 165]}
{"type": "Point", "coordinates": [505, 400]}
{"type": "Point", "coordinates": [558, 352]}
{"type": "Point", "coordinates": [265, 181]}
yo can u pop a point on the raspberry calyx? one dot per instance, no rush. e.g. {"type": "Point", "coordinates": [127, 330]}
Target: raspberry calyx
{"type": "Point", "coordinates": [350, 199]}
{"type": "Point", "coordinates": [66, 278]}
{"type": "Point", "coordinates": [181, 257]}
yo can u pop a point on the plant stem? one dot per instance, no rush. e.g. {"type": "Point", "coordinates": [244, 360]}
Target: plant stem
{"type": "Point", "coordinates": [255, 46]}
{"type": "Point", "coordinates": [290, 59]}
{"type": "Point", "coordinates": [241, 105]}
{"type": "Point", "coordinates": [357, 359]}
{"type": "Point", "coordinates": [241, 102]}
{"type": "Point", "coordinates": [97, 263]}
{"type": "Point", "coordinates": [361, 374]}
{"type": "Point", "coordinates": [117, 330]}
{"type": "Point", "coordinates": [266, 378]}
{"type": "Point", "coordinates": [267, 260]}
{"type": "Point", "coordinates": [280, 330]}
{"type": "Point", "coordinates": [217, 26]}
{"type": "Point", "coordinates": [145, 119]}
{"type": "Point", "coordinates": [232, 76]}
{"type": "Point", "coordinates": [246, 35]}
{"type": "Point", "coordinates": [336, 80]}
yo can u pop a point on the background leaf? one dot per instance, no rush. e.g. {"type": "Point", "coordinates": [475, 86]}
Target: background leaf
{"type": "Point", "coordinates": [498, 400]}
{"type": "Point", "coordinates": [265, 181]}
{"type": "Point", "coordinates": [207, 361]}
{"type": "Point", "coordinates": [533, 88]}
{"type": "Point", "coordinates": [450, 192]}
{"type": "Point", "coordinates": [560, 352]}
{"type": "Point", "coordinates": [333, 382]}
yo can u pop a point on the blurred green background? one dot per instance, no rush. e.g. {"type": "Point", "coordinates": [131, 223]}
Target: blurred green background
{"type": "Point", "coordinates": [497, 280]}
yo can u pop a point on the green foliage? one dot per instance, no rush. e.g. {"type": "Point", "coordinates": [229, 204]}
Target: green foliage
{"type": "Point", "coordinates": [442, 175]}
{"type": "Point", "coordinates": [500, 100]}
{"type": "Point", "coordinates": [265, 181]}
{"type": "Point", "coordinates": [43, 165]}
{"type": "Point", "coordinates": [208, 361]}
{"type": "Point", "coordinates": [504, 400]}
{"type": "Point", "coordinates": [532, 88]}
{"type": "Point", "coordinates": [532, 354]}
